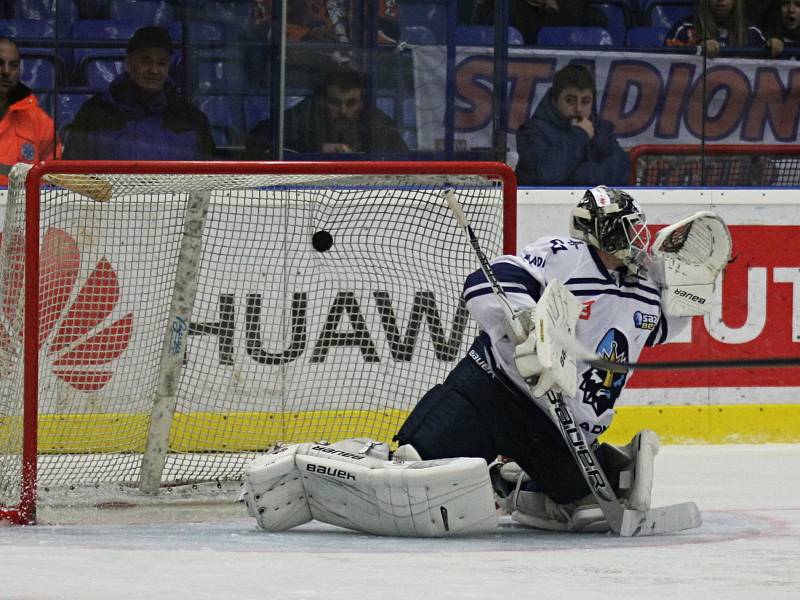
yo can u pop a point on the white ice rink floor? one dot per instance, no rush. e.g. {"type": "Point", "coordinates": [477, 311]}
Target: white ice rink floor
{"type": "Point", "coordinates": [747, 547]}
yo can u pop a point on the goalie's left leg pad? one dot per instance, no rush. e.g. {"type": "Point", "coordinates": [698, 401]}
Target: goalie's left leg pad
{"type": "Point", "coordinates": [433, 498]}
{"type": "Point", "coordinates": [273, 490]}
{"type": "Point", "coordinates": [635, 463]}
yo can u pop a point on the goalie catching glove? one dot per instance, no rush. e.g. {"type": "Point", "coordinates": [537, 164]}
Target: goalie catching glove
{"type": "Point", "coordinates": [543, 359]}
{"type": "Point", "coordinates": [689, 256]}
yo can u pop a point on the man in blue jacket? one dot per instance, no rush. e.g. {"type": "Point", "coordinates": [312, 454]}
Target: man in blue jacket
{"type": "Point", "coordinates": [142, 115]}
{"type": "Point", "coordinates": [564, 143]}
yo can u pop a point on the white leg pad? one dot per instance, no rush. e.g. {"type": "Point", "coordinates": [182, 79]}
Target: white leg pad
{"type": "Point", "coordinates": [273, 490]}
{"type": "Point", "coordinates": [645, 447]}
{"type": "Point", "coordinates": [351, 484]}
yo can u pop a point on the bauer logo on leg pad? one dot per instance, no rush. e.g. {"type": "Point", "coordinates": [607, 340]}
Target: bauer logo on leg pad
{"type": "Point", "coordinates": [340, 473]}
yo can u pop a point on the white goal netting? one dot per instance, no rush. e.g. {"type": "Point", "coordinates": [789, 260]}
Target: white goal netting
{"type": "Point", "coordinates": [194, 320]}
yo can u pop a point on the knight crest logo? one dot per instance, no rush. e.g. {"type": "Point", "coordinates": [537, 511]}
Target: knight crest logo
{"type": "Point", "coordinates": [601, 388]}
{"type": "Point", "coordinates": [77, 323]}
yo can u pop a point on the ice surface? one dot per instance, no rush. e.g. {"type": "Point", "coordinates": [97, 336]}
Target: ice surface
{"type": "Point", "coordinates": [747, 547]}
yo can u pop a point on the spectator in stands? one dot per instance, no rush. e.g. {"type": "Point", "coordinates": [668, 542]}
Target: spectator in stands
{"type": "Point", "coordinates": [334, 119]}
{"type": "Point", "coordinates": [529, 16]}
{"type": "Point", "coordinates": [319, 20]}
{"type": "Point", "coordinates": [142, 115]}
{"type": "Point", "coordinates": [714, 25]}
{"type": "Point", "coordinates": [27, 133]}
{"type": "Point", "coordinates": [783, 25]}
{"type": "Point", "coordinates": [564, 143]}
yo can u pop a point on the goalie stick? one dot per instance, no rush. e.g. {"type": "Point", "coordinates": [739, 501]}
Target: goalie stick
{"type": "Point", "coordinates": [86, 185]}
{"type": "Point", "coordinates": [623, 521]}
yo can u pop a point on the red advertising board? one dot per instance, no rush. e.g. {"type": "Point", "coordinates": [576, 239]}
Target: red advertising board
{"type": "Point", "coordinates": [759, 317]}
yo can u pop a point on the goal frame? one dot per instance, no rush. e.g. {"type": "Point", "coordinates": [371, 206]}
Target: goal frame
{"type": "Point", "coordinates": [710, 150]}
{"type": "Point", "coordinates": [25, 511]}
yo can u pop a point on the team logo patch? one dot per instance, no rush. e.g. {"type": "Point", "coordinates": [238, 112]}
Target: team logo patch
{"type": "Point", "coordinates": [28, 151]}
{"type": "Point", "coordinates": [600, 387]}
{"type": "Point", "coordinates": [644, 320]}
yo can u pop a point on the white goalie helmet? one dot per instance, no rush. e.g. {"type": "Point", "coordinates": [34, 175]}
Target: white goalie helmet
{"type": "Point", "coordinates": [612, 221]}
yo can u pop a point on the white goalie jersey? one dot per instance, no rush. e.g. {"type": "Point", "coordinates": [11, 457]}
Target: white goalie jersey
{"type": "Point", "coordinates": [620, 315]}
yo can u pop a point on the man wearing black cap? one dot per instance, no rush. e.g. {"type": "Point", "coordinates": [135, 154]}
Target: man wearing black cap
{"type": "Point", "coordinates": [141, 116]}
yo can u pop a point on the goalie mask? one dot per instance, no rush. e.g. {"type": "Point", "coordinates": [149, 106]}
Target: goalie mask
{"type": "Point", "coordinates": [610, 220]}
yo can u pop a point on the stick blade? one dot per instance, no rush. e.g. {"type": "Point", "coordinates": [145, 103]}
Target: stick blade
{"type": "Point", "coordinates": [91, 186]}
{"type": "Point", "coordinates": [663, 519]}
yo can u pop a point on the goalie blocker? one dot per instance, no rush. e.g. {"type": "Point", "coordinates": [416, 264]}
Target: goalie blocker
{"type": "Point", "coordinates": [353, 484]}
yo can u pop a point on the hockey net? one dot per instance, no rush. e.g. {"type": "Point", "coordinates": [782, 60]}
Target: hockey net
{"type": "Point", "coordinates": [207, 311]}
{"type": "Point", "coordinates": [718, 165]}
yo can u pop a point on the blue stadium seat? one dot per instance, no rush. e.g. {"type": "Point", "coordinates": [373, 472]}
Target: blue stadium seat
{"type": "Point", "coordinates": [574, 36]}
{"type": "Point", "coordinates": [256, 108]}
{"type": "Point", "coordinates": [214, 73]}
{"type": "Point", "coordinates": [92, 9]}
{"type": "Point", "coordinates": [226, 118]}
{"type": "Point", "coordinates": [67, 106]}
{"type": "Point", "coordinates": [197, 31]}
{"type": "Point", "coordinates": [646, 5]}
{"type": "Point", "coordinates": [432, 15]}
{"type": "Point", "coordinates": [27, 28]}
{"type": "Point", "coordinates": [666, 15]}
{"type": "Point", "coordinates": [100, 71]}
{"type": "Point", "coordinates": [43, 10]}
{"type": "Point", "coordinates": [617, 20]}
{"type": "Point", "coordinates": [228, 11]}
{"type": "Point", "coordinates": [102, 30]}
{"type": "Point", "coordinates": [483, 35]}
{"type": "Point", "coordinates": [418, 35]}
{"type": "Point", "coordinates": [231, 13]}
{"type": "Point", "coordinates": [38, 71]}
{"type": "Point", "coordinates": [153, 12]}
{"type": "Point", "coordinates": [46, 102]}
{"type": "Point", "coordinates": [645, 37]}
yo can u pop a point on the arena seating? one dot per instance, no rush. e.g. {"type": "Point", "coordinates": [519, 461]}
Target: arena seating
{"type": "Point", "coordinates": [153, 12]}
{"type": "Point", "coordinates": [39, 10]}
{"type": "Point", "coordinates": [574, 36]}
{"type": "Point", "coordinates": [226, 117]}
{"type": "Point", "coordinates": [665, 13]}
{"type": "Point", "coordinates": [89, 38]}
{"type": "Point", "coordinates": [483, 35]}
{"type": "Point", "coordinates": [617, 19]}
{"type": "Point", "coordinates": [645, 37]}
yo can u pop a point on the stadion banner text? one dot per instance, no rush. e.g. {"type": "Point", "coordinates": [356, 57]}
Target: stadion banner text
{"type": "Point", "coordinates": [650, 98]}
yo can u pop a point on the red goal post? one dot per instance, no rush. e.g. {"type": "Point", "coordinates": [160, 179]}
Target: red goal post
{"type": "Point", "coordinates": [715, 165]}
{"type": "Point", "coordinates": [180, 317]}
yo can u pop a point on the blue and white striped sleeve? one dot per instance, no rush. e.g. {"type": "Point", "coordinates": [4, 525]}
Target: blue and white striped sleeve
{"type": "Point", "coordinates": [518, 282]}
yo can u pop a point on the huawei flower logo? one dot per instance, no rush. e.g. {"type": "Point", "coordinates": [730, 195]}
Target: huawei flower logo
{"type": "Point", "coordinates": [81, 336]}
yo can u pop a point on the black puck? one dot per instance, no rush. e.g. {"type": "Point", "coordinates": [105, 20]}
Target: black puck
{"type": "Point", "coordinates": [322, 241]}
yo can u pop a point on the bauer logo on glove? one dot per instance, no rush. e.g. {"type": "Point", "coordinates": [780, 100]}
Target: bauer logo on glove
{"type": "Point", "coordinates": [688, 257]}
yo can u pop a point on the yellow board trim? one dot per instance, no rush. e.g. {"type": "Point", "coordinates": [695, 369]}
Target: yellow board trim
{"type": "Point", "coordinates": [251, 431]}
{"type": "Point", "coordinates": [733, 424]}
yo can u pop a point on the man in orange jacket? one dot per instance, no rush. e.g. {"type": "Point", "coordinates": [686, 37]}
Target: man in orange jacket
{"type": "Point", "coordinates": [27, 133]}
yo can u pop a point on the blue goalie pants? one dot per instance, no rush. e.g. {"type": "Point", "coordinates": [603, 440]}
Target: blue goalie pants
{"type": "Point", "coordinates": [477, 415]}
